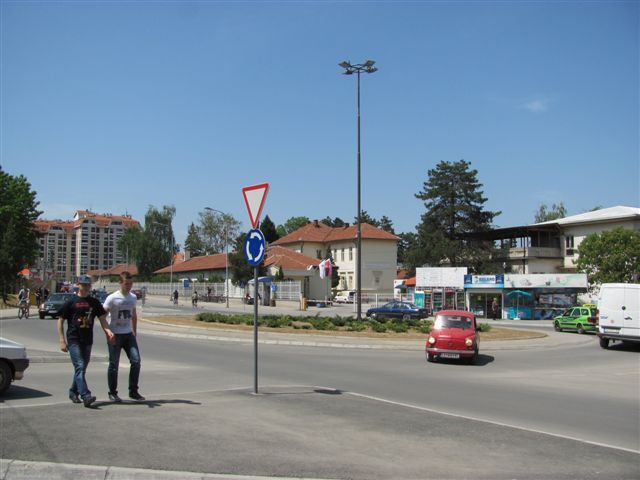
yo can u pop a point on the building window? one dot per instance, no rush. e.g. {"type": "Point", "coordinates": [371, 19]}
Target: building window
{"type": "Point", "coordinates": [351, 253]}
{"type": "Point", "coordinates": [319, 254]}
{"type": "Point", "coordinates": [568, 244]}
{"type": "Point", "coordinates": [342, 254]}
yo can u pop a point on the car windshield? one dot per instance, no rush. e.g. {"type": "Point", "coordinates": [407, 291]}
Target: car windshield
{"type": "Point", "coordinates": [57, 297]}
{"type": "Point", "coordinates": [452, 321]}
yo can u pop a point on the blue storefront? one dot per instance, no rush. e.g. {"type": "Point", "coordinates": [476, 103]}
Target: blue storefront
{"type": "Point", "coordinates": [527, 297]}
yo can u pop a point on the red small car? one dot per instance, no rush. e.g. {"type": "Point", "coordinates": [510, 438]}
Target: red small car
{"type": "Point", "coordinates": [454, 336]}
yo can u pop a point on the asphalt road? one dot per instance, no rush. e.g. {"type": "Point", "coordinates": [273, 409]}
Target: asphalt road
{"type": "Point", "coordinates": [559, 410]}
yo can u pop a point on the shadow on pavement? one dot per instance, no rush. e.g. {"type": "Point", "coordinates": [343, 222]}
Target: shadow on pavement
{"type": "Point", "coordinates": [17, 392]}
{"type": "Point", "coordinates": [145, 403]}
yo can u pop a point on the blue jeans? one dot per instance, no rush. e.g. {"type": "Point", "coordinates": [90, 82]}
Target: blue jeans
{"type": "Point", "coordinates": [80, 356]}
{"type": "Point", "coordinates": [128, 343]}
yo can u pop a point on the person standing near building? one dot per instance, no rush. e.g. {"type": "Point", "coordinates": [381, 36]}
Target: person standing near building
{"type": "Point", "coordinates": [80, 313]}
{"type": "Point", "coordinates": [123, 321]}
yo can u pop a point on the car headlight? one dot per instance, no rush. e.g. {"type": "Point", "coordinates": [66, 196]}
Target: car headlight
{"type": "Point", "coordinates": [432, 340]}
{"type": "Point", "coordinates": [468, 342]}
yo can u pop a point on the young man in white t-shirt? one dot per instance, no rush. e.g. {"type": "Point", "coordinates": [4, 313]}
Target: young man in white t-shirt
{"type": "Point", "coordinates": [123, 322]}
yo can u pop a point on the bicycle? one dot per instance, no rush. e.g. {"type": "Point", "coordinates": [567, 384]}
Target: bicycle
{"type": "Point", "coordinates": [23, 309]}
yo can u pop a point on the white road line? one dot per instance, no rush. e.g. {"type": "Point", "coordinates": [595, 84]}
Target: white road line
{"type": "Point", "coordinates": [493, 422]}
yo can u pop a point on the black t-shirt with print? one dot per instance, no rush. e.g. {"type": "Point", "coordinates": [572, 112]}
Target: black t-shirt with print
{"type": "Point", "coordinates": [80, 313]}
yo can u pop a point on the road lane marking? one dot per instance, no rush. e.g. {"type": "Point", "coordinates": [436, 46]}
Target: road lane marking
{"type": "Point", "coordinates": [493, 422]}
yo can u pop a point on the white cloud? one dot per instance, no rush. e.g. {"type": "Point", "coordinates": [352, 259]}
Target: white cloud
{"type": "Point", "coordinates": [538, 105]}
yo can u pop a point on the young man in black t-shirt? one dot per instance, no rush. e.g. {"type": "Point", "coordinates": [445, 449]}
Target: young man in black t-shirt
{"type": "Point", "coordinates": [80, 313]}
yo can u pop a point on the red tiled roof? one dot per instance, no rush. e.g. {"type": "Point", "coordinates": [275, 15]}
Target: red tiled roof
{"type": "Point", "coordinates": [285, 258]}
{"type": "Point", "coordinates": [121, 267]}
{"type": "Point", "coordinates": [44, 225]}
{"type": "Point", "coordinates": [205, 262]}
{"type": "Point", "coordinates": [402, 274]}
{"type": "Point", "coordinates": [321, 233]}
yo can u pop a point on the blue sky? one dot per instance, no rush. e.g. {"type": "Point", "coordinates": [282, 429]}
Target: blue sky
{"type": "Point", "coordinates": [119, 105]}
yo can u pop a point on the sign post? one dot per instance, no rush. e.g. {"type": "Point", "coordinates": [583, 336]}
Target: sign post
{"type": "Point", "coordinates": [254, 251]}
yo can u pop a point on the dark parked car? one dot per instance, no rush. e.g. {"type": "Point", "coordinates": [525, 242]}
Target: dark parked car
{"type": "Point", "coordinates": [404, 310]}
{"type": "Point", "coordinates": [101, 295]}
{"type": "Point", "coordinates": [53, 304]}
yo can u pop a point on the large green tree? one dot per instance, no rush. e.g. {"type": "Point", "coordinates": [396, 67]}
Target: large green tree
{"type": "Point", "coordinates": [454, 203]}
{"type": "Point", "coordinates": [193, 243]}
{"type": "Point", "coordinates": [336, 222]}
{"type": "Point", "coordinates": [546, 214]}
{"type": "Point", "coordinates": [217, 230]}
{"type": "Point", "coordinates": [611, 256]}
{"type": "Point", "coordinates": [18, 238]}
{"type": "Point", "coordinates": [268, 229]}
{"type": "Point", "coordinates": [152, 247]}
{"type": "Point", "coordinates": [291, 225]}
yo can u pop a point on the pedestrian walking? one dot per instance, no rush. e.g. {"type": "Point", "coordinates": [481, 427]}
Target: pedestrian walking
{"type": "Point", "coordinates": [494, 308]}
{"type": "Point", "coordinates": [194, 299]}
{"type": "Point", "coordinates": [80, 313]}
{"type": "Point", "coordinates": [123, 321]}
{"type": "Point", "coordinates": [143, 295]}
{"type": "Point", "coordinates": [175, 296]}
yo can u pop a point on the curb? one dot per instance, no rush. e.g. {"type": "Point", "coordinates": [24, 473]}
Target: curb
{"type": "Point", "coordinates": [21, 470]}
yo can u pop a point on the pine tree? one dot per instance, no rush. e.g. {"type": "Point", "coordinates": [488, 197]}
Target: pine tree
{"type": "Point", "coordinates": [268, 229]}
{"type": "Point", "coordinates": [194, 243]}
{"type": "Point", "coordinates": [454, 202]}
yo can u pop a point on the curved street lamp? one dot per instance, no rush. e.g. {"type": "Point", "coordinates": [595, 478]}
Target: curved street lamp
{"type": "Point", "coordinates": [226, 257]}
{"type": "Point", "coordinates": [350, 69]}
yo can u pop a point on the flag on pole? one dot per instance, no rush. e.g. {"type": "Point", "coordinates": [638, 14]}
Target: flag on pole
{"type": "Point", "coordinates": [325, 268]}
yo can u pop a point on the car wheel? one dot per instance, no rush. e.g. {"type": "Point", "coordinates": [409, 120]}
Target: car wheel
{"type": "Point", "coordinates": [473, 360]}
{"type": "Point", "coordinates": [374, 316]}
{"type": "Point", "coordinates": [580, 329]}
{"type": "Point", "coordinates": [556, 327]}
{"type": "Point", "coordinates": [5, 376]}
{"type": "Point", "coordinates": [41, 315]}
{"type": "Point", "coordinates": [604, 343]}
{"type": "Point", "coordinates": [430, 357]}
{"type": "Point", "coordinates": [406, 316]}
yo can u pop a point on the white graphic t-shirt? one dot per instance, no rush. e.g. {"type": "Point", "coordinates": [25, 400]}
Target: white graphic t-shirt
{"type": "Point", "coordinates": [120, 309]}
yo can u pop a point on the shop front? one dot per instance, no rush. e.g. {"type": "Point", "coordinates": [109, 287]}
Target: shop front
{"type": "Point", "coordinates": [541, 296]}
{"type": "Point", "coordinates": [484, 295]}
{"type": "Point", "coordinates": [525, 297]}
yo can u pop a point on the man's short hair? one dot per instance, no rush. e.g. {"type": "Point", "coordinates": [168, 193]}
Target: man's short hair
{"type": "Point", "coordinates": [125, 276]}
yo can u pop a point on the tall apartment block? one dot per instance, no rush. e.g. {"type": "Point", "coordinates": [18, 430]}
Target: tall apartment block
{"type": "Point", "coordinates": [69, 248]}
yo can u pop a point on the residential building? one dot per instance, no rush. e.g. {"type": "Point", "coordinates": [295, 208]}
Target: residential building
{"type": "Point", "coordinates": [552, 247]}
{"type": "Point", "coordinates": [88, 242]}
{"type": "Point", "coordinates": [379, 253]}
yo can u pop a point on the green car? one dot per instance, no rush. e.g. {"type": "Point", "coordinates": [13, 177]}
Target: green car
{"type": "Point", "coordinates": [582, 319]}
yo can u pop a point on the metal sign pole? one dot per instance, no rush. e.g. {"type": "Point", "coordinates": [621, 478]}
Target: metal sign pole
{"type": "Point", "coordinates": [255, 330]}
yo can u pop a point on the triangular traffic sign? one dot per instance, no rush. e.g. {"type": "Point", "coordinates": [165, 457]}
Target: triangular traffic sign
{"type": "Point", "coordinates": [254, 197]}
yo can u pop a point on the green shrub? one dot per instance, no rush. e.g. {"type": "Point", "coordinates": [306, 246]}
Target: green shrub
{"type": "Point", "coordinates": [484, 327]}
{"type": "Point", "coordinates": [356, 326]}
{"type": "Point", "coordinates": [339, 321]}
{"type": "Point", "coordinates": [322, 324]}
{"type": "Point", "coordinates": [425, 326]}
{"type": "Point", "coordinates": [398, 326]}
{"type": "Point", "coordinates": [378, 327]}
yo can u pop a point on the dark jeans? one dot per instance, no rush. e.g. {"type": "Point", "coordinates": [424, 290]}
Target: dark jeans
{"type": "Point", "coordinates": [80, 355]}
{"type": "Point", "coordinates": [128, 343]}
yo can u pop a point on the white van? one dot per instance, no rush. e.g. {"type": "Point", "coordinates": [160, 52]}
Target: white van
{"type": "Point", "coordinates": [619, 307]}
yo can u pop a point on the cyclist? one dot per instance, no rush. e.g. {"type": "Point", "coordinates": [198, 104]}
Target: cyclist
{"type": "Point", "coordinates": [23, 302]}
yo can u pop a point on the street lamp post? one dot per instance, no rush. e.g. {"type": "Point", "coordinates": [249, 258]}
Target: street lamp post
{"type": "Point", "coordinates": [350, 69]}
{"type": "Point", "coordinates": [226, 256]}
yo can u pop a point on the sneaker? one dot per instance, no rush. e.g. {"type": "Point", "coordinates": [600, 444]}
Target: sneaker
{"type": "Point", "coordinates": [88, 400]}
{"type": "Point", "coordinates": [136, 396]}
{"type": "Point", "coordinates": [114, 398]}
{"type": "Point", "coordinates": [74, 397]}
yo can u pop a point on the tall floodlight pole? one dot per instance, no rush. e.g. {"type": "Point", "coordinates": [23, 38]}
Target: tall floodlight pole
{"type": "Point", "coordinates": [350, 69]}
{"type": "Point", "coordinates": [226, 260]}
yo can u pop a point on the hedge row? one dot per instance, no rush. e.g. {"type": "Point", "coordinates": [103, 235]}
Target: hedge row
{"type": "Point", "coordinates": [319, 323]}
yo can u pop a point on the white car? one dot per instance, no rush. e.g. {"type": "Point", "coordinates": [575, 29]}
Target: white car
{"type": "Point", "coordinates": [13, 362]}
{"type": "Point", "coordinates": [345, 297]}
